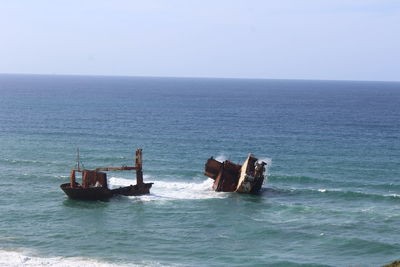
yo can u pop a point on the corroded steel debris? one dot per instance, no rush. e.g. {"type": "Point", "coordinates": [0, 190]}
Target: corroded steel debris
{"type": "Point", "coordinates": [94, 182]}
{"type": "Point", "coordinates": [231, 177]}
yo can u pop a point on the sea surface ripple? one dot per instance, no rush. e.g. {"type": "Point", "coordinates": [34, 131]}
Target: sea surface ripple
{"type": "Point", "coordinates": [332, 196]}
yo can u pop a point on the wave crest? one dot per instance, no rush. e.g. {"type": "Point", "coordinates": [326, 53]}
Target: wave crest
{"type": "Point", "coordinates": [14, 259]}
{"type": "Point", "coordinates": [172, 190]}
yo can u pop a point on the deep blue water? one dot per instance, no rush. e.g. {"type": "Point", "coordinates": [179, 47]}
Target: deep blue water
{"type": "Point", "coordinates": [332, 197]}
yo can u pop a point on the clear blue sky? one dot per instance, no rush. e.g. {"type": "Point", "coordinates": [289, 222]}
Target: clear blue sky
{"type": "Point", "coordinates": [297, 39]}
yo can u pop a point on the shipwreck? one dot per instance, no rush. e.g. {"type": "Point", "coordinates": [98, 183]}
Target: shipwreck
{"type": "Point", "coordinates": [94, 182]}
{"type": "Point", "coordinates": [231, 177]}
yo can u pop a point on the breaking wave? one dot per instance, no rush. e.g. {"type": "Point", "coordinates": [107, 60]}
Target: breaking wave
{"type": "Point", "coordinates": [172, 190]}
{"type": "Point", "coordinates": [14, 259]}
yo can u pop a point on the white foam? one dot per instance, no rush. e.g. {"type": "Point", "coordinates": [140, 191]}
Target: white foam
{"type": "Point", "coordinates": [14, 259]}
{"type": "Point", "coordinates": [221, 158]}
{"type": "Point", "coordinates": [269, 163]}
{"type": "Point", "coordinates": [171, 190]}
{"type": "Point", "coordinates": [61, 176]}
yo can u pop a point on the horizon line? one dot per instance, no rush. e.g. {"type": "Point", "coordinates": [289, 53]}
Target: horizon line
{"type": "Point", "coordinates": [200, 77]}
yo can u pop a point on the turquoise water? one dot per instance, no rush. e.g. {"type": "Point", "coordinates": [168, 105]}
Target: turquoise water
{"type": "Point", "coordinates": [332, 196]}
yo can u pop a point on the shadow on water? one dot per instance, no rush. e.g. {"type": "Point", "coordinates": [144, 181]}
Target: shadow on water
{"type": "Point", "coordinates": [255, 198]}
{"type": "Point", "coordinates": [95, 204]}
{"type": "Point", "coordinates": [85, 204]}
{"type": "Point", "coordinates": [260, 196]}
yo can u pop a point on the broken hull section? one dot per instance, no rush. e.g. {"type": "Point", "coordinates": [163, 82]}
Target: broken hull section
{"type": "Point", "coordinates": [133, 190]}
{"type": "Point", "coordinates": [231, 177]}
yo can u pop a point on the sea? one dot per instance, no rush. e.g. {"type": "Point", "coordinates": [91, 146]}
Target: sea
{"type": "Point", "coordinates": [331, 197]}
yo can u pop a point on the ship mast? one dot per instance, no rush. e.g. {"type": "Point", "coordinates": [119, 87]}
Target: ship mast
{"type": "Point", "coordinates": [78, 160]}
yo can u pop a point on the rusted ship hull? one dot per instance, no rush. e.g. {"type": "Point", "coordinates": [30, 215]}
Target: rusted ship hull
{"type": "Point", "coordinates": [94, 182]}
{"type": "Point", "coordinates": [231, 177]}
{"type": "Point", "coordinates": [93, 193]}
{"type": "Point", "coordinates": [102, 193]}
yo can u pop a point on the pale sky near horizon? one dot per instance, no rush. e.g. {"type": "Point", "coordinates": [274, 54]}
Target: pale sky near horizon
{"type": "Point", "coordinates": [286, 39]}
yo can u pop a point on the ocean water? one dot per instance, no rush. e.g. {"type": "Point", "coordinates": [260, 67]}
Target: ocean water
{"type": "Point", "coordinates": [332, 196]}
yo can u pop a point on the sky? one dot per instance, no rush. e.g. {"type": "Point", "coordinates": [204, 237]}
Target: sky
{"type": "Point", "coordinates": [282, 39]}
